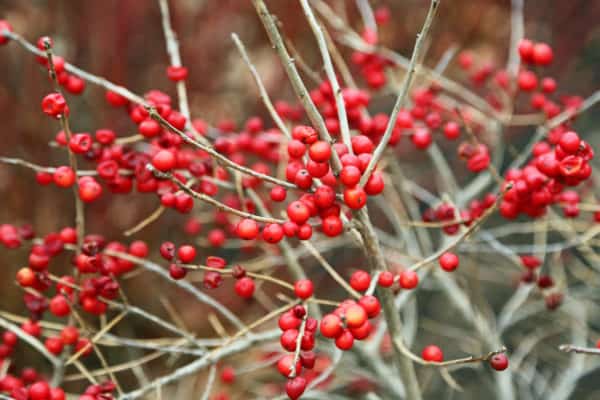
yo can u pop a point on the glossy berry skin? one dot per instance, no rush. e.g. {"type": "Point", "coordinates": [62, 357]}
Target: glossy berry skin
{"type": "Point", "coordinates": [244, 287]}
{"type": "Point", "coordinates": [285, 363]}
{"type": "Point", "coordinates": [350, 175]}
{"type": "Point", "coordinates": [69, 335]}
{"type": "Point", "coordinates": [319, 151]}
{"type": "Point", "coordinates": [371, 305]}
{"type": "Point", "coordinates": [345, 340]}
{"type": "Point", "coordinates": [332, 226]}
{"type": "Point", "coordinates": [54, 104]}
{"type": "Point", "coordinates": [164, 160]}
{"type": "Point", "coordinates": [527, 81]}
{"type": "Point", "coordinates": [355, 198]}
{"type": "Point", "coordinates": [177, 272]}
{"type": "Point", "coordinates": [449, 261]}
{"type": "Point", "coordinates": [298, 212]}
{"type": "Point", "coordinates": [272, 233]}
{"type": "Point", "coordinates": [360, 280]}
{"type": "Point", "coordinates": [54, 345]}
{"type": "Point", "coordinates": [186, 253]}
{"type": "Point", "coordinates": [331, 326]}
{"type": "Point", "coordinates": [408, 279]}
{"type": "Point", "coordinates": [59, 306]}
{"type": "Point", "coordinates": [542, 54]}
{"type": "Point", "coordinates": [4, 26]}
{"type": "Point", "coordinates": [451, 130]}
{"type": "Point", "coordinates": [386, 279]}
{"type": "Point", "coordinates": [432, 353]}
{"type": "Point", "coordinates": [288, 320]}
{"type": "Point", "coordinates": [278, 193]}
{"type": "Point", "coordinates": [39, 391]}
{"type": "Point", "coordinates": [177, 74]}
{"type": "Point", "coordinates": [304, 288]}
{"type": "Point", "coordinates": [295, 387]}
{"type": "Point", "coordinates": [421, 138]}
{"type": "Point", "coordinates": [149, 128]}
{"type": "Point", "coordinates": [247, 229]}
{"type": "Point", "coordinates": [355, 316]}
{"type": "Point", "coordinates": [499, 362]}
{"type": "Point", "coordinates": [64, 177]}
{"type": "Point", "coordinates": [569, 142]}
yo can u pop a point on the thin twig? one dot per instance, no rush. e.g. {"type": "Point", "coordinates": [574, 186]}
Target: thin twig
{"type": "Point", "coordinates": [415, 60]}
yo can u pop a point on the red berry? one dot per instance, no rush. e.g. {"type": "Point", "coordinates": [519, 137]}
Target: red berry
{"type": "Point", "coordinates": [4, 26]}
{"type": "Point", "coordinates": [331, 326]}
{"type": "Point", "coordinates": [432, 353]}
{"type": "Point", "coordinates": [244, 287]}
{"type": "Point", "coordinates": [89, 189]}
{"type": "Point", "coordinates": [149, 128]}
{"type": "Point", "coordinates": [54, 345]}
{"type": "Point", "coordinates": [288, 339]}
{"type": "Point", "coordinates": [167, 250]}
{"type": "Point", "coordinates": [319, 151]}
{"type": "Point", "coordinates": [295, 387]}
{"type": "Point", "coordinates": [272, 233]}
{"type": "Point", "coordinates": [59, 306]}
{"type": "Point", "coordinates": [177, 74]}
{"type": "Point", "coordinates": [451, 130]}
{"type": "Point", "coordinates": [386, 279]}
{"type": "Point", "coordinates": [355, 198]}
{"type": "Point", "coordinates": [526, 50]}
{"type": "Point", "coordinates": [284, 365]}
{"type": "Point", "coordinates": [39, 391]}
{"type": "Point", "coordinates": [527, 81]}
{"type": "Point", "coordinates": [371, 305]}
{"type": "Point", "coordinates": [360, 280]}
{"type": "Point", "coordinates": [80, 143]}
{"type": "Point", "coordinates": [186, 253]}
{"type": "Point", "coordinates": [421, 138]}
{"type": "Point", "coordinates": [177, 272]}
{"type": "Point", "coordinates": [138, 248]}
{"type": "Point", "coordinates": [332, 225]}
{"type": "Point", "coordinates": [164, 160]}
{"type": "Point", "coordinates": [54, 104]}
{"type": "Point", "coordinates": [569, 142]}
{"type": "Point", "coordinates": [409, 279]}
{"type": "Point", "coordinates": [64, 177]}
{"type": "Point", "coordinates": [350, 175]}
{"type": "Point", "coordinates": [303, 288]}
{"type": "Point", "coordinates": [448, 261]}
{"type": "Point", "coordinates": [298, 212]}
{"type": "Point", "coordinates": [296, 148]}
{"type": "Point", "coordinates": [69, 335]}
{"type": "Point", "coordinates": [247, 229]}
{"type": "Point", "coordinates": [345, 340]}
{"type": "Point", "coordinates": [499, 362]}
{"type": "Point", "coordinates": [355, 316]}
{"type": "Point", "coordinates": [278, 193]}
{"type": "Point", "coordinates": [542, 54]}
{"type": "Point", "coordinates": [288, 320]}
{"type": "Point", "coordinates": [375, 184]}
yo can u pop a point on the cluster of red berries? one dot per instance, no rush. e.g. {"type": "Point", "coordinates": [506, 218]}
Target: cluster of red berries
{"type": "Point", "coordinates": [372, 66]}
{"type": "Point", "coordinates": [71, 83]}
{"type": "Point", "coordinates": [290, 323]}
{"type": "Point", "coordinates": [559, 163]}
{"type": "Point", "coordinates": [544, 283]}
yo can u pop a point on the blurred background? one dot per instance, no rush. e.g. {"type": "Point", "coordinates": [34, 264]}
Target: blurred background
{"type": "Point", "coordinates": [123, 41]}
